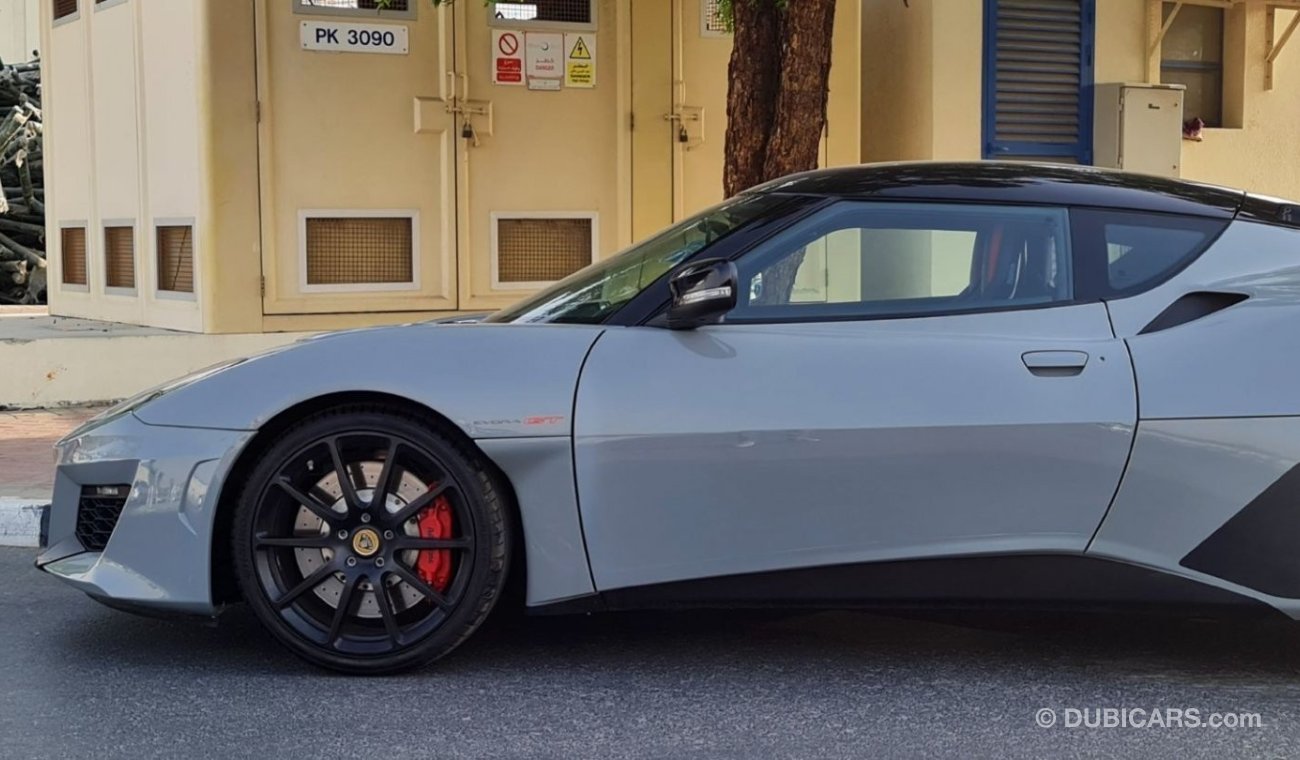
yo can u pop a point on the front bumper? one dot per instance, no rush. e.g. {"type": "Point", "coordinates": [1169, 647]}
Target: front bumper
{"type": "Point", "coordinates": [158, 555]}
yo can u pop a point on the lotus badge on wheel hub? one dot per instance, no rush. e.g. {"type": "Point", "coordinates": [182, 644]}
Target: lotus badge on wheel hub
{"type": "Point", "coordinates": [365, 542]}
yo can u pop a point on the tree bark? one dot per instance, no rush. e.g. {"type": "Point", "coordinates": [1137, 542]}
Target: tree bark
{"type": "Point", "coordinates": [800, 118]}
{"type": "Point", "coordinates": [754, 80]}
{"type": "Point", "coordinates": [776, 103]}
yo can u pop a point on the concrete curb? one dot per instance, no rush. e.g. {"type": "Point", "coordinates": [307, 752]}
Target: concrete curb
{"type": "Point", "coordinates": [20, 521]}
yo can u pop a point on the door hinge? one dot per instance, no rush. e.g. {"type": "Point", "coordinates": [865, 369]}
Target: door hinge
{"type": "Point", "coordinates": [263, 288]}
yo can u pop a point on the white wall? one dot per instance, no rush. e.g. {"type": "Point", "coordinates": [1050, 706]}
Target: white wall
{"type": "Point", "coordinates": [19, 32]}
{"type": "Point", "coordinates": [122, 137]}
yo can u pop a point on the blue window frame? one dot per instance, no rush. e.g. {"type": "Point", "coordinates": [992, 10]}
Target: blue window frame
{"type": "Point", "coordinates": [1038, 79]}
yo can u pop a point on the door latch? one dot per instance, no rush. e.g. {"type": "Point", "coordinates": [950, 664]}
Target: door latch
{"type": "Point", "coordinates": [476, 117]}
{"type": "Point", "coordinates": [690, 125]}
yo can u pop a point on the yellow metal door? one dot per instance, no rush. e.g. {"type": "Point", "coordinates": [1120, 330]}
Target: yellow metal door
{"type": "Point", "coordinates": [680, 54]}
{"type": "Point", "coordinates": [538, 156]}
{"type": "Point", "coordinates": [357, 159]}
{"type": "Point", "coordinates": [701, 54]}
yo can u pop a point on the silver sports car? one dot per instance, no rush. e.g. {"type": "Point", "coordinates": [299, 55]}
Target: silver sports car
{"type": "Point", "coordinates": [904, 384]}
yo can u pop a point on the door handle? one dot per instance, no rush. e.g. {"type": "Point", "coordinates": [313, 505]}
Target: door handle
{"type": "Point", "coordinates": [1055, 363]}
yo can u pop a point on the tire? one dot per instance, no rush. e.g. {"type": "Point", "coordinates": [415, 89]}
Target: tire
{"type": "Point", "coordinates": [361, 584]}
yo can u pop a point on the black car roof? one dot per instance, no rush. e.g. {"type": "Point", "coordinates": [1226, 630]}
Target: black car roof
{"type": "Point", "coordinates": [1013, 182]}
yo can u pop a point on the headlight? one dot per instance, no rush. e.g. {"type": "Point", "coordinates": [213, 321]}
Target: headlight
{"type": "Point", "coordinates": [140, 399]}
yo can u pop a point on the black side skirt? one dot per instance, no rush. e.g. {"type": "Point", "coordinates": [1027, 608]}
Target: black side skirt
{"type": "Point", "coordinates": [1054, 582]}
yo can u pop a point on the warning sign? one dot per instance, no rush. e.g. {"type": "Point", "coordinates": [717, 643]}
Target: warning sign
{"type": "Point", "coordinates": [580, 60]}
{"type": "Point", "coordinates": [544, 59]}
{"type": "Point", "coordinates": [507, 57]}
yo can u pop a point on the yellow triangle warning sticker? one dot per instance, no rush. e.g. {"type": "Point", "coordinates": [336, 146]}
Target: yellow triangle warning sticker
{"type": "Point", "coordinates": [580, 51]}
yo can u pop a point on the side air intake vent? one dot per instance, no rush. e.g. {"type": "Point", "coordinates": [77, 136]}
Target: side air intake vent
{"type": "Point", "coordinates": [97, 514]}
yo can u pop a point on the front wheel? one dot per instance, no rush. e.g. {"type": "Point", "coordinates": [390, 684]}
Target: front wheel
{"type": "Point", "coordinates": [368, 542]}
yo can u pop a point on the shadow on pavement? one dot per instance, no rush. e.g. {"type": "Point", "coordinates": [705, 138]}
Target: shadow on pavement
{"type": "Point", "coordinates": [1249, 649]}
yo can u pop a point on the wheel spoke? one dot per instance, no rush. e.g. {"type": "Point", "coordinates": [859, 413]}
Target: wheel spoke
{"type": "Point", "coordinates": [314, 541]}
{"type": "Point", "coordinates": [386, 611]}
{"type": "Point", "coordinates": [378, 500]}
{"type": "Point", "coordinates": [344, 474]}
{"type": "Point", "coordinates": [413, 542]}
{"type": "Point", "coordinates": [419, 585]}
{"type": "Point", "coordinates": [417, 504]}
{"type": "Point", "coordinates": [308, 583]}
{"type": "Point", "coordinates": [319, 509]}
{"type": "Point", "coordinates": [343, 610]}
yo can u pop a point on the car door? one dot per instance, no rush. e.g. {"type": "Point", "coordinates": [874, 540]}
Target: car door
{"type": "Point", "coordinates": [897, 381]}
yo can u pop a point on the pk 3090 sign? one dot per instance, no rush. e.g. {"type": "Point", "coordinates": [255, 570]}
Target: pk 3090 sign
{"type": "Point", "coordinates": [342, 37]}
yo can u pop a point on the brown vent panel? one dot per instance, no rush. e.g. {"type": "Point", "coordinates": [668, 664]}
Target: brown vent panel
{"type": "Point", "coordinates": [72, 241]}
{"type": "Point", "coordinates": [176, 258]}
{"type": "Point", "coordinates": [119, 257]}
{"type": "Point", "coordinates": [359, 251]}
{"type": "Point", "coordinates": [541, 250]}
{"type": "Point", "coordinates": [64, 8]}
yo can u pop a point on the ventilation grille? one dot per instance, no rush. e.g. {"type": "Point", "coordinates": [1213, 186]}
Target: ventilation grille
{"type": "Point", "coordinates": [119, 257]}
{"type": "Point", "coordinates": [98, 511]}
{"type": "Point", "coordinates": [558, 11]}
{"type": "Point", "coordinates": [1039, 57]}
{"type": "Point", "coordinates": [713, 21]}
{"type": "Point", "coordinates": [72, 241]}
{"type": "Point", "coordinates": [176, 259]}
{"type": "Point", "coordinates": [359, 250]}
{"type": "Point", "coordinates": [365, 5]}
{"type": "Point", "coordinates": [64, 8]}
{"type": "Point", "coordinates": [541, 250]}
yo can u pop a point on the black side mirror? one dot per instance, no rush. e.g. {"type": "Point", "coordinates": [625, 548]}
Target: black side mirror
{"type": "Point", "coordinates": [703, 291]}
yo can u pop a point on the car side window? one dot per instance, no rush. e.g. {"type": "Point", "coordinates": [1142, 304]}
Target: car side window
{"type": "Point", "coordinates": [1141, 250]}
{"type": "Point", "coordinates": [875, 259]}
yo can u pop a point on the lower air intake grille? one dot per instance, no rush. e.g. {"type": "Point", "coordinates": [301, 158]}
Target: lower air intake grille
{"type": "Point", "coordinates": [97, 514]}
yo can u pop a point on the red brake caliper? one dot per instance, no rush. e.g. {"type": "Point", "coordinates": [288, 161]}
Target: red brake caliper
{"type": "Point", "coordinates": [434, 565]}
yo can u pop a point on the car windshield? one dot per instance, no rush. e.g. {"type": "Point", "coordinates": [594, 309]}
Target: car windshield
{"type": "Point", "coordinates": [591, 294]}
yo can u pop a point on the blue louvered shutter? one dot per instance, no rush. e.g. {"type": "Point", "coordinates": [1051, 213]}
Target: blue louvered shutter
{"type": "Point", "coordinates": [1038, 79]}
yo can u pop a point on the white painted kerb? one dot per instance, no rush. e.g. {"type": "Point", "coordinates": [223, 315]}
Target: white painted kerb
{"type": "Point", "coordinates": [20, 521]}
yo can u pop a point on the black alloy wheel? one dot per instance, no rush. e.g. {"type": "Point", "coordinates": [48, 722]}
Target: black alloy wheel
{"type": "Point", "coordinates": [369, 542]}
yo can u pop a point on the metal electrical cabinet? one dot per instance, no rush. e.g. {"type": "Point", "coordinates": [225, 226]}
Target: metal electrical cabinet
{"type": "Point", "coordinates": [1139, 127]}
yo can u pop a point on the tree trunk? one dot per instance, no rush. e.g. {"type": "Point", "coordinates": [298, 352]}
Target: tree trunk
{"type": "Point", "coordinates": [776, 102]}
{"type": "Point", "coordinates": [754, 81]}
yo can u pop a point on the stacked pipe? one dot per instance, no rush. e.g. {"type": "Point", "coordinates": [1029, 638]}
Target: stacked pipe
{"type": "Point", "coordinates": [22, 185]}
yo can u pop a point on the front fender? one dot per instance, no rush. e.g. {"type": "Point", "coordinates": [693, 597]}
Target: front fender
{"type": "Point", "coordinates": [494, 381]}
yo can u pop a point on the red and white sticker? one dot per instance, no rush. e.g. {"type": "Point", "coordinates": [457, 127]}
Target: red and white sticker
{"type": "Point", "coordinates": [507, 57]}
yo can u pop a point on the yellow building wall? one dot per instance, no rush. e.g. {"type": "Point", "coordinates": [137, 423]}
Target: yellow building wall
{"type": "Point", "coordinates": [921, 79]}
{"type": "Point", "coordinates": [958, 67]}
{"type": "Point", "coordinates": [1264, 154]}
{"type": "Point", "coordinates": [897, 80]}
{"type": "Point", "coordinates": [844, 102]}
{"type": "Point", "coordinates": [229, 256]}
{"type": "Point", "coordinates": [922, 85]}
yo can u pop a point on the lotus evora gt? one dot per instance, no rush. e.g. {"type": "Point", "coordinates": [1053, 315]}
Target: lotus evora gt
{"type": "Point", "coordinates": [890, 385]}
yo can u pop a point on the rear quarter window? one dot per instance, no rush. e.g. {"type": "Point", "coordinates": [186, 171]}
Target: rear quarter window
{"type": "Point", "coordinates": [1127, 252]}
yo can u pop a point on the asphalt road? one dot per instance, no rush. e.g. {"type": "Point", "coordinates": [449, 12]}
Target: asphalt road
{"type": "Point", "coordinates": [78, 679]}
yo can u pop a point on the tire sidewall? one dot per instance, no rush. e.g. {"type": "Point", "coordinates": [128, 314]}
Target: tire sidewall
{"type": "Point", "coordinates": [490, 530]}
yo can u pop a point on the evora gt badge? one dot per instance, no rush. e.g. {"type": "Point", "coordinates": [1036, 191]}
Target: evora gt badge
{"type": "Point", "coordinates": [365, 542]}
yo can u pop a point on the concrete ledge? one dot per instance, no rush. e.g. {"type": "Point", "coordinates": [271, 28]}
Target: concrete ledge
{"type": "Point", "coordinates": [57, 361]}
{"type": "Point", "coordinates": [20, 521]}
